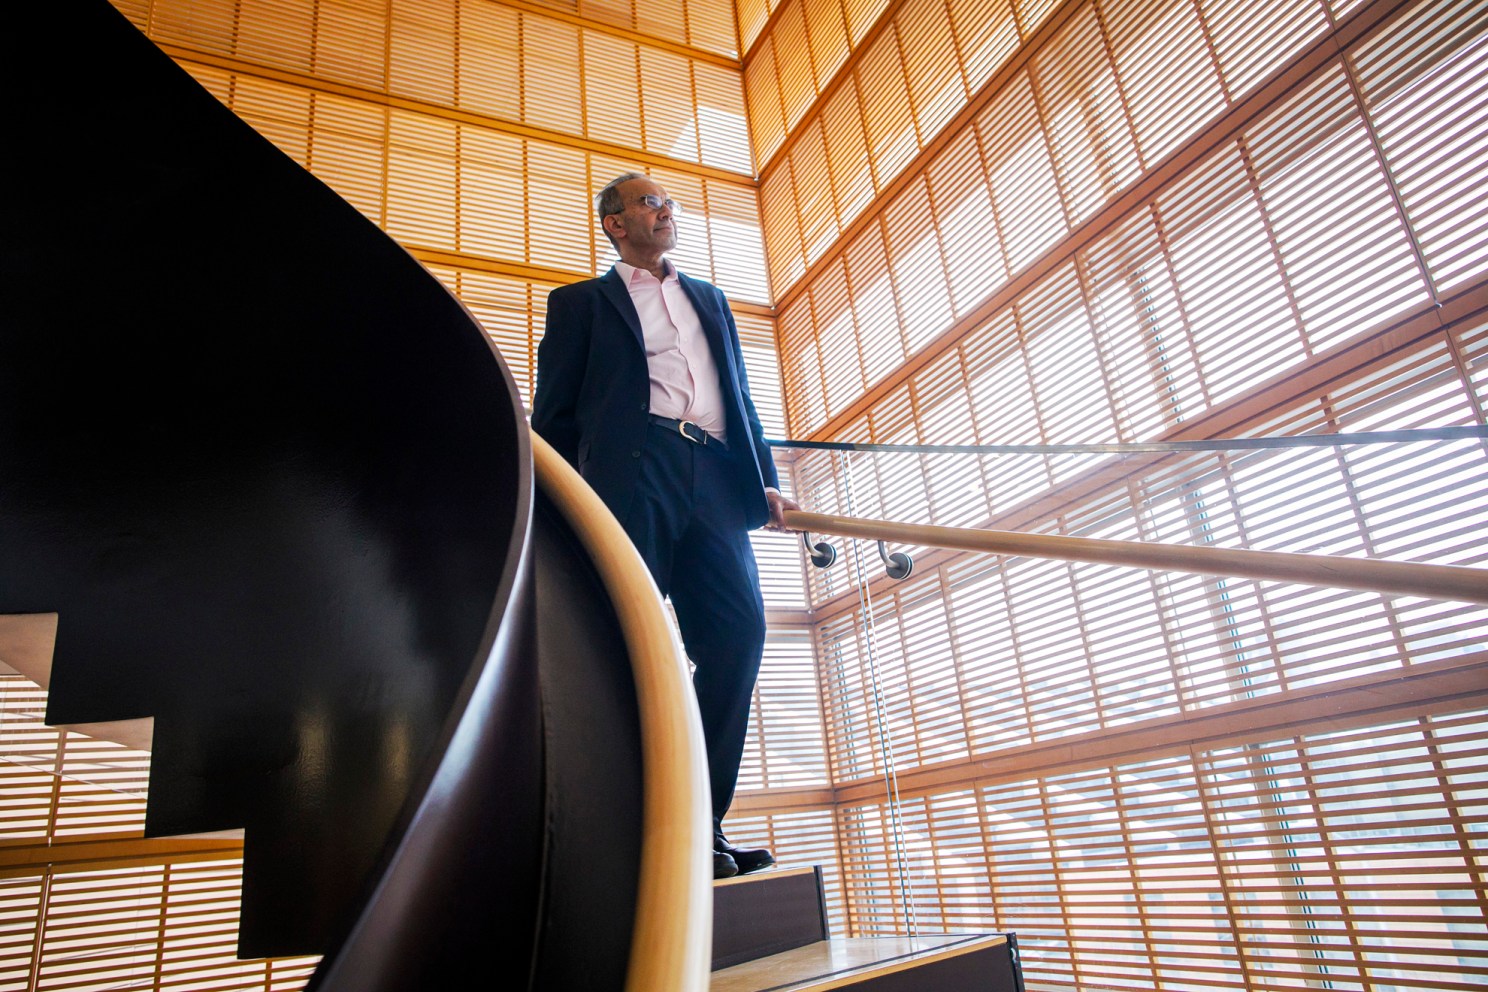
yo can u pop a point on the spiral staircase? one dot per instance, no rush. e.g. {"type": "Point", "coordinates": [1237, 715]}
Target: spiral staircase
{"type": "Point", "coordinates": [267, 495]}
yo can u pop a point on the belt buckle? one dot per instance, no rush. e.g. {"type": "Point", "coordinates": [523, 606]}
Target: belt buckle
{"type": "Point", "coordinates": [682, 426]}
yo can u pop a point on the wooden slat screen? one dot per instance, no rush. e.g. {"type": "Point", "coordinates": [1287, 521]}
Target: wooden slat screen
{"type": "Point", "coordinates": [1234, 269]}
{"type": "Point", "coordinates": [705, 24]}
{"type": "Point", "coordinates": [1036, 649]}
{"type": "Point", "coordinates": [87, 904]}
{"type": "Point", "coordinates": [1148, 221]}
{"type": "Point", "coordinates": [1083, 116]}
{"type": "Point", "coordinates": [916, 73]}
{"type": "Point", "coordinates": [1346, 859]}
{"type": "Point", "coordinates": [788, 747]}
{"type": "Point", "coordinates": [505, 66]}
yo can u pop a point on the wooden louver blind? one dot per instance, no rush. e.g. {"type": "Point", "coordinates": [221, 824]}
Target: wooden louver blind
{"type": "Point", "coordinates": [1246, 275]}
{"type": "Point", "coordinates": [90, 904]}
{"type": "Point", "coordinates": [513, 67]}
{"type": "Point", "coordinates": [1156, 220]}
{"type": "Point", "coordinates": [1255, 863]}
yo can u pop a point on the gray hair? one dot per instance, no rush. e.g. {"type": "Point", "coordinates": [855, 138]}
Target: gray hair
{"type": "Point", "coordinates": [608, 201]}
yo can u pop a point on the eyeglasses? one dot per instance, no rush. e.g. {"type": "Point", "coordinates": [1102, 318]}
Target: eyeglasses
{"type": "Point", "coordinates": [656, 203]}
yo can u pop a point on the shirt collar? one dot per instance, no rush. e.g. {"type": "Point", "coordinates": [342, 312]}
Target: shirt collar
{"type": "Point", "coordinates": [628, 271]}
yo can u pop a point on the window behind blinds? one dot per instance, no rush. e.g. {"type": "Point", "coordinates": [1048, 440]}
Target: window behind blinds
{"type": "Point", "coordinates": [1316, 222]}
{"type": "Point", "coordinates": [88, 902]}
{"type": "Point", "coordinates": [1146, 221]}
{"type": "Point", "coordinates": [1252, 863]}
{"type": "Point", "coordinates": [507, 67]}
{"type": "Point", "coordinates": [888, 100]}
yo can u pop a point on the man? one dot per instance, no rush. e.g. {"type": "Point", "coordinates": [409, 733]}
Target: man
{"type": "Point", "coordinates": [641, 386]}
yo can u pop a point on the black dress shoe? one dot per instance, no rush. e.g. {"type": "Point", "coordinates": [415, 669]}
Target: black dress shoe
{"type": "Point", "coordinates": [723, 865]}
{"type": "Point", "coordinates": [745, 859]}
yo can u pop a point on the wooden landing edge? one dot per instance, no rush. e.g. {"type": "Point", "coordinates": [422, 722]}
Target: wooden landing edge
{"type": "Point", "coordinates": [776, 871]}
{"type": "Point", "coordinates": [955, 945]}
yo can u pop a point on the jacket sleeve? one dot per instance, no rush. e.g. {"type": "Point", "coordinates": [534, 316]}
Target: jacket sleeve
{"type": "Point", "coordinates": [561, 358]}
{"type": "Point", "coordinates": [762, 450]}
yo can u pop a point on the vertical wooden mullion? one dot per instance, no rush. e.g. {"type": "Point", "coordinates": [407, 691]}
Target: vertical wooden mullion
{"type": "Point", "coordinates": [905, 651]}
{"type": "Point", "coordinates": [832, 183]}
{"type": "Point", "coordinates": [1168, 626]}
{"type": "Point", "coordinates": [1180, 304]}
{"type": "Point", "coordinates": [1016, 647]}
{"type": "Point", "coordinates": [916, 425]}
{"type": "Point", "coordinates": [895, 292]}
{"type": "Point", "coordinates": [782, 152]}
{"type": "Point", "coordinates": [596, 238]}
{"type": "Point", "coordinates": [821, 364]}
{"type": "Point", "coordinates": [852, 315]}
{"type": "Point", "coordinates": [387, 114]}
{"type": "Point", "coordinates": [1000, 245]}
{"type": "Point", "coordinates": [54, 807]}
{"type": "Point", "coordinates": [1055, 872]}
{"type": "Point", "coordinates": [983, 462]}
{"type": "Point", "coordinates": [1388, 608]}
{"type": "Point", "coordinates": [1020, 328]}
{"type": "Point", "coordinates": [878, 182]}
{"type": "Point", "coordinates": [984, 819]}
{"type": "Point", "coordinates": [1086, 645]}
{"type": "Point", "coordinates": [914, 116]}
{"type": "Point", "coordinates": [1264, 611]}
{"type": "Point", "coordinates": [1345, 912]}
{"type": "Point", "coordinates": [1040, 103]}
{"type": "Point", "coordinates": [1473, 865]}
{"type": "Point", "coordinates": [162, 927]}
{"type": "Point", "coordinates": [38, 938]}
{"type": "Point", "coordinates": [865, 684]}
{"type": "Point", "coordinates": [1097, 7]}
{"type": "Point", "coordinates": [958, 664]}
{"type": "Point", "coordinates": [1278, 258]}
{"type": "Point", "coordinates": [1211, 48]}
{"type": "Point", "coordinates": [816, 81]}
{"type": "Point", "coordinates": [1208, 805]}
{"type": "Point", "coordinates": [1102, 354]}
{"type": "Point", "coordinates": [1377, 150]}
{"type": "Point", "coordinates": [1144, 924]}
{"type": "Point", "coordinates": [796, 212]}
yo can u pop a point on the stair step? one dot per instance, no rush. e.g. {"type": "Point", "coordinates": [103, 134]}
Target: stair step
{"type": "Point", "coordinates": [766, 912]}
{"type": "Point", "coordinates": [927, 963]}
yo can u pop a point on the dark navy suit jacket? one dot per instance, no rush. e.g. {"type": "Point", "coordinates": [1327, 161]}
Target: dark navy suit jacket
{"type": "Point", "coordinates": [592, 401]}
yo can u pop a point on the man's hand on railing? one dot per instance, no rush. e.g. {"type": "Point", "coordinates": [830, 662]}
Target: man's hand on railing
{"type": "Point", "coordinates": [778, 505]}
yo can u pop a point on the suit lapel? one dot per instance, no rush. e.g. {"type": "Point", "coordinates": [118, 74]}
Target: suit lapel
{"type": "Point", "coordinates": [613, 289]}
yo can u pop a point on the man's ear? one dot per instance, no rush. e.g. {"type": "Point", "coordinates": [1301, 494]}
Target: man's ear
{"type": "Point", "coordinates": [614, 225]}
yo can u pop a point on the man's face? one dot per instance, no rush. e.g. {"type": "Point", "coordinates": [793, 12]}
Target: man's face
{"type": "Point", "coordinates": [647, 231]}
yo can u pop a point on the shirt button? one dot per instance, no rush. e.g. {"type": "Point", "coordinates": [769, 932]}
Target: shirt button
{"type": "Point", "coordinates": [635, 454]}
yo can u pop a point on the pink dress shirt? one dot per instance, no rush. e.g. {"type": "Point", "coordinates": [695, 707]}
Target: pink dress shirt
{"type": "Point", "coordinates": [684, 378]}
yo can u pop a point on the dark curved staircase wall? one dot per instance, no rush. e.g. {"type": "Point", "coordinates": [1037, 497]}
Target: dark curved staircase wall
{"type": "Point", "coordinates": [277, 486]}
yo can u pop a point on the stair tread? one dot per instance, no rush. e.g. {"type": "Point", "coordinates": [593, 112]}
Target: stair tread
{"type": "Point", "coordinates": [764, 875]}
{"type": "Point", "coordinates": [839, 961]}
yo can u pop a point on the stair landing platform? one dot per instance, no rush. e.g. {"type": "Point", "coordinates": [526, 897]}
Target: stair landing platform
{"type": "Point", "coordinates": [881, 964]}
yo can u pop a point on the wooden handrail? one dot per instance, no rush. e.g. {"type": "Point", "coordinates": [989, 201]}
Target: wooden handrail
{"type": "Point", "coordinates": [672, 944]}
{"type": "Point", "coordinates": [1450, 582]}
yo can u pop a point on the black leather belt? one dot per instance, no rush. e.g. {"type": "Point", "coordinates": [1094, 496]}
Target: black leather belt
{"type": "Point", "coordinates": [687, 429]}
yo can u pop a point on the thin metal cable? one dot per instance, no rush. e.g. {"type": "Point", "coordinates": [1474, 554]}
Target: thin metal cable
{"type": "Point", "coordinates": [1476, 432]}
{"type": "Point", "coordinates": [884, 734]}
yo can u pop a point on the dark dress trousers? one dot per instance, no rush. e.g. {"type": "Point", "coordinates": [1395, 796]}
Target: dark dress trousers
{"type": "Point", "coordinates": [688, 507]}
